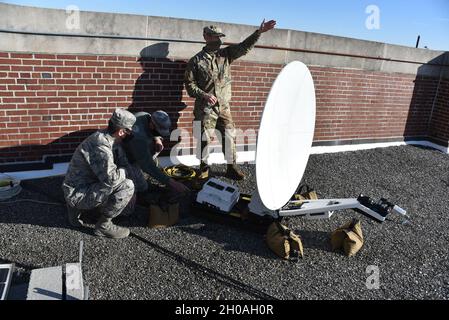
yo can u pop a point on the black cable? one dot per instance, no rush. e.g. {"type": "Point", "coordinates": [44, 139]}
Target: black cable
{"type": "Point", "coordinates": [226, 280]}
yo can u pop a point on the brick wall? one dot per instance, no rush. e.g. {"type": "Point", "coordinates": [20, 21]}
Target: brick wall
{"type": "Point", "coordinates": [353, 104]}
{"type": "Point", "coordinates": [439, 128]}
{"type": "Point", "coordinates": [50, 103]}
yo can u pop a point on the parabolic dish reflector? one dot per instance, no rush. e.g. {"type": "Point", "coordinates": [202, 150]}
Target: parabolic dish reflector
{"type": "Point", "coordinates": [285, 135]}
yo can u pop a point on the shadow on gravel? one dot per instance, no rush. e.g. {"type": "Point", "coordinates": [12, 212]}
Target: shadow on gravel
{"type": "Point", "coordinates": [205, 271]}
{"type": "Point", "coordinates": [49, 188]}
{"type": "Point", "coordinates": [248, 242]}
{"type": "Point", "coordinates": [50, 210]}
{"type": "Point", "coordinates": [34, 215]}
{"type": "Point", "coordinates": [318, 240]}
{"type": "Point", "coordinates": [41, 203]}
{"type": "Point", "coordinates": [417, 146]}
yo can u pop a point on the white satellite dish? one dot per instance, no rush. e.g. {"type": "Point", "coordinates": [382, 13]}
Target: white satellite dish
{"type": "Point", "coordinates": [285, 135]}
{"type": "Point", "coordinates": [284, 143]}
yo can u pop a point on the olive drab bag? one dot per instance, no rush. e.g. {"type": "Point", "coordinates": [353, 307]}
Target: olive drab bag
{"type": "Point", "coordinates": [305, 192]}
{"type": "Point", "coordinates": [283, 242]}
{"type": "Point", "coordinates": [162, 217]}
{"type": "Point", "coordinates": [348, 237]}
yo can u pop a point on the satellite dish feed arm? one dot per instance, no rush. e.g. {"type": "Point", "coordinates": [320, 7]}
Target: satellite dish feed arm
{"type": "Point", "coordinates": [324, 208]}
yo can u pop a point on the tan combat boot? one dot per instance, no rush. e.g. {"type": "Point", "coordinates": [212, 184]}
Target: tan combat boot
{"type": "Point", "coordinates": [234, 172]}
{"type": "Point", "coordinates": [105, 228]}
{"type": "Point", "coordinates": [204, 171]}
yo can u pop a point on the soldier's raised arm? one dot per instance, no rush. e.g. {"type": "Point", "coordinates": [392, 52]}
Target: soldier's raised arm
{"type": "Point", "coordinates": [238, 50]}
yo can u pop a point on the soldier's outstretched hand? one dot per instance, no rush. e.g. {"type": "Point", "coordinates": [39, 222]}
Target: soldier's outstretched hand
{"type": "Point", "coordinates": [267, 26]}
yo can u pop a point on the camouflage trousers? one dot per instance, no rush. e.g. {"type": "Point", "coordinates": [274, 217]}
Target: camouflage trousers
{"type": "Point", "coordinates": [96, 196]}
{"type": "Point", "coordinates": [217, 120]}
{"type": "Point", "coordinates": [121, 201]}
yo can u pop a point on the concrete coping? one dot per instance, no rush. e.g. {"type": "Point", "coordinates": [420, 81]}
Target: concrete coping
{"type": "Point", "coordinates": [129, 35]}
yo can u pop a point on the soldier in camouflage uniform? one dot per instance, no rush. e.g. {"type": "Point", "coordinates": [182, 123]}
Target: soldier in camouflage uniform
{"type": "Point", "coordinates": [208, 80]}
{"type": "Point", "coordinates": [142, 151]}
{"type": "Point", "coordinates": [99, 177]}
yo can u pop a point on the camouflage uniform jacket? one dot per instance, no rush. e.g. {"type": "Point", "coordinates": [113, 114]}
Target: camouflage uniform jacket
{"type": "Point", "coordinates": [140, 149]}
{"type": "Point", "coordinates": [97, 160]}
{"type": "Point", "coordinates": [209, 72]}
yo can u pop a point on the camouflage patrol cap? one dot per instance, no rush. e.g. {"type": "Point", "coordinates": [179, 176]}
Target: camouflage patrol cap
{"type": "Point", "coordinates": [161, 121]}
{"type": "Point", "coordinates": [123, 119]}
{"type": "Point", "coordinates": [213, 31]}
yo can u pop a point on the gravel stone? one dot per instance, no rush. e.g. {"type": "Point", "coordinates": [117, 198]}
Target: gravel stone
{"type": "Point", "coordinates": [199, 259]}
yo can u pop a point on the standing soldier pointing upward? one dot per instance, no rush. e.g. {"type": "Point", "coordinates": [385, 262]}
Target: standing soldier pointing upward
{"type": "Point", "coordinates": [208, 80]}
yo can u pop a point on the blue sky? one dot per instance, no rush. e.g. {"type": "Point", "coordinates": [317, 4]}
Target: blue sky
{"type": "Point", "coordinates": [401, 21]}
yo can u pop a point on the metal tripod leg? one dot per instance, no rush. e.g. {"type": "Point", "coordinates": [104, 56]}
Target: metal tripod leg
{"type": "Point", "coordinates": [324, 208]}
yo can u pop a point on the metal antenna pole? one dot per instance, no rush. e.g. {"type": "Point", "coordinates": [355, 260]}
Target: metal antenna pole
{"type": "Point", "coordinates": [81, 252]}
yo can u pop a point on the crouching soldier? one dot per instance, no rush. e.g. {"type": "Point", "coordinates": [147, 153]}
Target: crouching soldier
{"type": "Point", "coordinates": [97, 177]}
{"type": "Point", "coordinates": [142, 151]}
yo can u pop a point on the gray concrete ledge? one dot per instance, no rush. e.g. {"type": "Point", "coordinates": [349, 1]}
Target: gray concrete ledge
{"type": "Point", "coordinates": [30, 19]}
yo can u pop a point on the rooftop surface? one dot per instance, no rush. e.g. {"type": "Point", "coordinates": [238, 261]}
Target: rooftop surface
{"type": "Point", "coordinates": [201, 259]}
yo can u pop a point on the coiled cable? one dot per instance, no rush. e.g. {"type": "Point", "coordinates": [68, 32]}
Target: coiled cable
{"type": "Point", "coordinates": [9, 187]}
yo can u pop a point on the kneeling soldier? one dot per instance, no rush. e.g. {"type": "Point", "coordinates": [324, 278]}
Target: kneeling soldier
{"type": "Point", "coordinates": [96, 177]}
